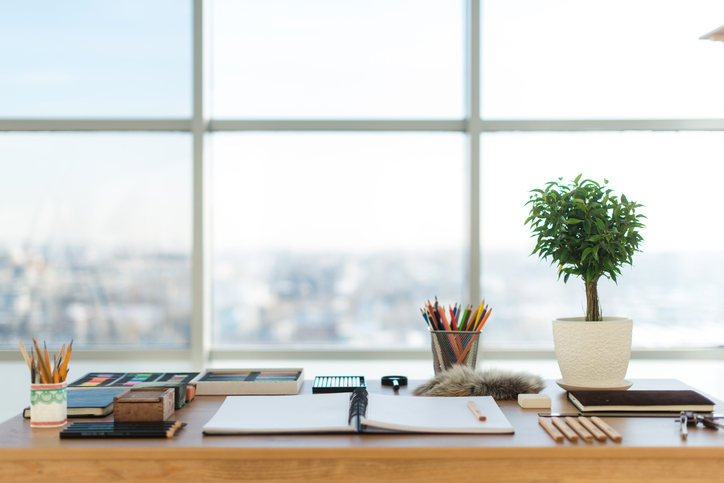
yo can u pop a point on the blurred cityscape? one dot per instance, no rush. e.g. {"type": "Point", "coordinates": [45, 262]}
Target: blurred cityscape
{"type": "Point", "coordinates": [132, 298]}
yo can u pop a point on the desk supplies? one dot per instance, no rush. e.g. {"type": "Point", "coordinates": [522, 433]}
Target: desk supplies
{"type": "Point", "coordinates": [239, 382]}
{"type": "Point", "coordinates": [454, 340]}
{"type": "Point", "coordinates": [690, 418]}
{"type": "Point", "coordinates": [330, 384]}
{"type": "Point", "coordinates": [179, 389]}
{"type": "Point", "coordinates": [41, 369]}
{"type": "Point", "coordinates": [83, 403]}
{"type": "Point", "coordinates": [48, 386]}
{"type": "Point", "coordinates": [578, 428]}
{"type": "Point", "coordinates": [551, 430]}
{"type": "Point", "coordinates": [476, 411]}
{"type": "Point", "coordinates": [110, 429]}
{"type": "Point", "coordinates": [592, 428]}
{"type": "Point", "coordinates": [334, 413]}
{"type": "Point", "coordinates": [645, 400]}
{"type": "Point", "coordinates": [394, 381]}
{"type": "Point", "coordinates": [538, 401]}
{"type": "Point", "coordinates": [563, 427]}
{"type": "Point", "coordinates": [130, 379]}
{"type": "Point", "coordinates": [610, 432]}
{"type": "Point", "coordinates": [144, 404]}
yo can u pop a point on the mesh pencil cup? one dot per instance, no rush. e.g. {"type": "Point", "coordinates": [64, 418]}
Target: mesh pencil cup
{"type": "Point", "coordinates": [48, 405]}
{"type": "Point", "coordinates": [450, 347]}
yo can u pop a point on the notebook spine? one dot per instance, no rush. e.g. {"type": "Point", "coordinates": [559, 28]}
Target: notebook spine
{"type": "Point", "coordinates": [357, 407]}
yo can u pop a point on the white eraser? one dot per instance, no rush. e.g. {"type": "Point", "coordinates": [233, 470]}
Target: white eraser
{"type": "Point", "coordinates": [538, 401]}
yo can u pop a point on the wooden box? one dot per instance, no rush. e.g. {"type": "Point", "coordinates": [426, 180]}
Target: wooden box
{"type": "Point", "coordinates": [144, 404]}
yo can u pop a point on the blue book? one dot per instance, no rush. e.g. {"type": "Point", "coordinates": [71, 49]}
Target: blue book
{"type": "Point", "coordinates": [90, 402]}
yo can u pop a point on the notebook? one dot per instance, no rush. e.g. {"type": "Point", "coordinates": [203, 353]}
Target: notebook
{"type": "Point", "coordinates": [680, 400]}
{"type": "Point", "coordinates": [355, 412]}
{"type": "Point", "coordinates": [89, 402]}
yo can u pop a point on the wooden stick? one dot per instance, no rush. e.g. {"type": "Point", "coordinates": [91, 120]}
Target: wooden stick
{"type": "Point", "coordinates": [64, 367]}
{"type": "Point", "coordinates": [597, 433]}
{"type": "Point", "coordinates": [47, 357]}
{"type": "Point", "coordinates": [553, 432]}
{"type": "Point", "coordinates": [582, 432]}
{"type": "Point", "coordinates": [561, 424]}
{"type": "Point", "coordinates": [32, 368]}
{"type": "Point", "coordinates": [612, 433]}
{"type": "Point", "coordinates": [44, 371]}
{"type": "Point", "coordinates": [476, 411]}
{"type": "Point", "coordinates": [25, 355]}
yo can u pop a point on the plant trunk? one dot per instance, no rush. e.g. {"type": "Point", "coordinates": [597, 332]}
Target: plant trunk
{"type": "Point", "coordinates": [593, 311]}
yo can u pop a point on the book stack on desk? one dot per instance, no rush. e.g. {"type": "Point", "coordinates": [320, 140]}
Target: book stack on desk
{"type": "Point", "coordinates": [95, 402]}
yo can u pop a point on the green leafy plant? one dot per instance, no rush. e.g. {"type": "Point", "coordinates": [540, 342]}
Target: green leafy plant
{"type": "Point", "coordinates": [586, 230]}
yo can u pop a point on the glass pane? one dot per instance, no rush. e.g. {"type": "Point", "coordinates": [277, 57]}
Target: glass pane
{"type": "Point", "coordinates": [331, 238]}
{"type": "Point", "coordinates": [334, 59]}
{"type": "Point", "coordinates": [96, 239]}
{"type": "Point", "coordinates": [585, 59]}
{"type": "Point", "coordinates": [95, 59]}
{"type": "Point", "coordinates": [673, 292]}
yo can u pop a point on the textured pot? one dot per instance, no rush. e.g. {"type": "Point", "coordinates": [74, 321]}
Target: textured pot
{"type": "Point", "coordinates": [593, 354]}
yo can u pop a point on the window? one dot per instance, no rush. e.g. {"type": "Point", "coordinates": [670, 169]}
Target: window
{"type": "Point", "coordinates": [96, 242]}
{"type": "Point", "coordinates": [93, 59]}
{"type": "Point", "coordinates": [352, 167]}
{"type": "Point", "coordinates": [334, 238]}
{"type": "Point", "coordinates": [671, 291]}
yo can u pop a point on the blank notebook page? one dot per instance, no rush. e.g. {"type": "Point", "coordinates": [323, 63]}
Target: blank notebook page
{"type": "Point", "coordinates": [272, 414]}
{"type": "Point", "coordinates": [435, 414]}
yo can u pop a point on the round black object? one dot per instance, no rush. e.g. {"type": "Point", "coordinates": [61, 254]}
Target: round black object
{"type": "Point", "coordinates": [394, 381]}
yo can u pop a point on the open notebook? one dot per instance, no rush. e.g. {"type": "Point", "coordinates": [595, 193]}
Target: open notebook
{"type": "Point", "coordinates": [355, 412]}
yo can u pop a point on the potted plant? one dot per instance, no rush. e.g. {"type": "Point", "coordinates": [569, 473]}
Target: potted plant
{"type": "Point", "coordinates": [589, 232]}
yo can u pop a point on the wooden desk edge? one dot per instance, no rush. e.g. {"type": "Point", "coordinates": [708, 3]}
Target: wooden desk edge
{"type": "Point", "coordinates": [449, 453]}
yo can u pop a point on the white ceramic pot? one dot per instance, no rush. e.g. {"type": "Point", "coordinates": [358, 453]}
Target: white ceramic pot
{"type": "Point", "coordinates": [593, 354]}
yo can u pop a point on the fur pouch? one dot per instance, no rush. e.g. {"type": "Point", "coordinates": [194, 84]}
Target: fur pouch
{"type": "Point", "coordinates": [463, 381]}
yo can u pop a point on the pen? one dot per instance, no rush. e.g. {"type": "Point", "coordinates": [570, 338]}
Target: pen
{"type": "Point", "coordinates": [476, 411]}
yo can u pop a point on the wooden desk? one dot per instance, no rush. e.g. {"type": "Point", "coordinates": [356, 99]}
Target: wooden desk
{"type": "Point", "coordinates": [651, 451]}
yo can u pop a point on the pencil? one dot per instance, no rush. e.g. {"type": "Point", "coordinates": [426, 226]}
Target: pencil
{"type": "Point", "coordinates": [612, 433]}
{"type": "Point", "coordinates": [64, 368]}
{"type": "Point", "coordinates": [464, 319]}
{"type": "Point", "coordinates": [582, 432]}
{"type": "Point", "coordinates": [480, 313]}
{"type": "Point", "coordinates": [44, 371]}
{"type": "Point", "coordinates": [553, 432]}
{"type": "Point", "coordinates": [561, 424]}
{"type": "Point", "coordinates": [25, 355]}
{"type": "Point", "coordinates": [47, 357]}
{"type": "Point", "coordinates": [597, 433]}
{"type": "Point", "coordinates": [476, 411]}
{"type": "Point", "coordinates": [32, 368]}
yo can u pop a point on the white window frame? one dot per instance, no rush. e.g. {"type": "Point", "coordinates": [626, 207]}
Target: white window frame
{"type": "Point", "coordinates": [200, 351]}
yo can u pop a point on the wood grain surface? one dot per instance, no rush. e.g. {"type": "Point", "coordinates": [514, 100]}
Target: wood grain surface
{"type": "Point", "coordinates": [651, 450]}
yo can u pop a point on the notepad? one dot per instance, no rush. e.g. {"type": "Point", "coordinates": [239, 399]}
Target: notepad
{"type": "Point", "coordinates": [338, 413]}
{"type": "Point", "coordinates": [644, 400]}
